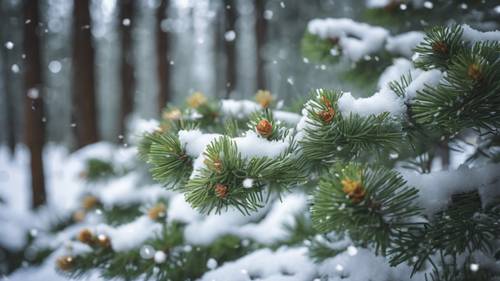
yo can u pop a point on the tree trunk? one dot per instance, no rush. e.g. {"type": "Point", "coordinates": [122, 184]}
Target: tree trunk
{"type": "Point", "coordinates": [9, 108]}
{"type": "Point", "coordinates": [260, 38]}
{"type": "Point", "coordinates": [162, 49]}
{"type": "Point", "coordinates": [84, 101]}
{"type": "Point", "coordinates": [127, 70]}
{"type": "Point", "coordinates": [230, 46]}
{"type": "Point", "coordinates": [34, 102]}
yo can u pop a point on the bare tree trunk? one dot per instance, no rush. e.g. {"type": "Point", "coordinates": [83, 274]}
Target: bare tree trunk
{"type": "Point", "coordinates": [33, 102]}
{"type": "Point", "coordinates": [9, 108]}
{"type": "Point", "coordinates": [162, 50]}
{"type": "Point", "coordinates": [260, 36]}
{"type": "Point", "coordinates": [127, 69]}
{"type": "Point", "coordinates": [10, 114]}
{"type": "Point", "coordinates": [84, 101]}
{"type": "Point", "coordinates": [230, 46]}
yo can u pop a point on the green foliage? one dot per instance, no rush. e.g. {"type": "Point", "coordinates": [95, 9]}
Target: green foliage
{"type": "Point", "coordinates": [98, 169]}
{"type": "Point", "coordinates": [461, 229]}
{"type": "Point", "coordinates": [227, 169]}
{"type": "Point", "coordinates": [345, 137]}
{"type": "Point", "coordinates": [439, 46]}
{"type": "Point", "coordinates": [181, 263]}
{"type": "Point", "coordinates": [468, 95]}
{"type": "Point", "coordinates": [317, 49]}
{"type": "Point", "coordinates": [169, 162]}
{"type": "Point", "coordinates": [370, 204]}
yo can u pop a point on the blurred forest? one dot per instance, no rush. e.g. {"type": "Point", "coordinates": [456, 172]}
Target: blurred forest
{"type": "Point", "coordinates": [75, 72]}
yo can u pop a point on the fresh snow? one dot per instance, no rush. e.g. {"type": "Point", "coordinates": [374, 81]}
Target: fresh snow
{"type": "Point", "coordinates": [285, 264]}
{"type": "Point", "coordinates": [404, 43]}
{"type": "Point", "coordinates": [356, 39]}
{"type": "Point", "coordinates": [436, 188]}
{"type": "Point", "coordinates": [473, 36]}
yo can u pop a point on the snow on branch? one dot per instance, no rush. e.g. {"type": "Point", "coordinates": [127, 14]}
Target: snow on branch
{"type": "Point", "coordinates": [436, 188]}
{"type": "Point", "coordinates": [355, 39]}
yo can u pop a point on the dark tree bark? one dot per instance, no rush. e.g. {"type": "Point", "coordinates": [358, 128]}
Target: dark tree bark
{"type": "Point", "coordinates": [33, 101]}
{"type": "Point", "coordinates": [127, 69]}
{"type": "Point", "coordinates": [84, 101]}
{"type": "Point", "coordinates": [230, 46]}
{"type": "Point", "coordinates": [260, 38]}
{"type": "Point", "coordinates": [162, 50]}
{"type": "Point", "coordinates": [9, 108]}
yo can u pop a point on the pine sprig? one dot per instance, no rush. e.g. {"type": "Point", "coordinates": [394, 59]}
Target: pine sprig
{"type": "Point", "coordinates": [169, 162]}
{"type": "Point", "coordinates": [438, 47]}
{"type": "Point", "coordinates": [468, 95]}
{"type": "Point", "coordinates": [219, 184]}
{"type": "Point", "coordinates": [370, 204]}
{"type": "Point", "coordinates": [345, 137]}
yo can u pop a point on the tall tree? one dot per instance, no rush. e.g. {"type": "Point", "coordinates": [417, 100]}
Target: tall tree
{"type": "Point", "coordinates": [127, 69]}
{"type": "Point", "coordinates": [162, 50]}
{"type": "Point", "coordinates": [34, 101]}
{"type": "Point", "coordinates": [260, 38]}
{"type": "Point", "coordinates": [6, 34]}
{"type": "Point", "coordinates": [84, 100]}
{"type": "Point", "coordinates": [230, 45]}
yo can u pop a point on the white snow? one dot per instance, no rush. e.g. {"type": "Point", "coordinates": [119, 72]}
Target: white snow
{"type": "Point", "coordinates": [252, 145]}
{"type": "Point", "coordinates": [404, 43]}
{"type": "Point", "coordinates": [195, 142]}
{"type": "Point", "coordinates": [286, 264]}
{"type": "Point", "coordinates": [382, 101]}
{"type": "Point", "coordinates": [399, 67]}
{"type": "Point", "coordinates": [436, 188]}
{"type": "Point", "coordinates": [131, 235]}
{"type": "Point", "coordinates": [362, 266]}
{"type": "Point", "coordinates": [473, 36]}
{"type": "Point", "coordinates": [248, 183]}
{"type": "Point", "coordinates": [429, 78]}
{"type": "Point", "coordinates": [355, 39]}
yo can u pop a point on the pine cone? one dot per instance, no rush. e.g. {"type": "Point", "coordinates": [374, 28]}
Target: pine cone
{"type": "Point", "coordinates": [354, 189]}
{"type": "Point", "coordinates": [440, 47]}
{"type": "Point", "coordinates": [103, 241]}
{"type": "Point", "coordinates": [264, 98]}
{"type": "Point", "coordinates": [86, 236]}
{"type": "Point", "coordinates": [89, 202]}
{"type": "Point", "coordinates": [196, 100]}
{"type": "Point", "coordinates": [327, 115]}
{"type": "Point", "coordinates": [65, 263]}
{"type": "Point", "coordinates": [474, 72]}
{"type": "Point", "coordinates": [221, 190]}
{"type": "Point", "coordinates": [264, 128]}
{"type": "Point", "coordinates": [157, 211]}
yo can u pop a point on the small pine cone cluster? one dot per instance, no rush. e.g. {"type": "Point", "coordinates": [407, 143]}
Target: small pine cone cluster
{"type": "Point", "coordinates": [440, 47]}
{"type": "Point", "coordinates": [264, 98]}
{"type": "Point", "coordinates": [221, 190]}
{"type": "Point", "coordinates": [158, 211]}
{"type": "Point", "coordinates": [87, 237]}
{"type": "Point", "coordinates": [196, 100]}
{"type": "Point", "coordinates": [354, 189]}
{"type": "Point", "coordinates": [327, 115]}
{"type": "Point", "coordinates": [215, 166]}
{"type": "Point", "coordinates": [65, 263]}
{"type": "Point", "coordinates": [89, 202]}
{"type": "Point", "coordinates": [264, 128]}
{"type": "Point", "coordinates": [474, 72]}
